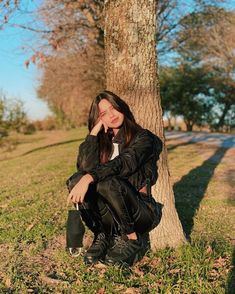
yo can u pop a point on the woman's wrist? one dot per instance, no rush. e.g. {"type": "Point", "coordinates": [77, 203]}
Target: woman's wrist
{"type": "Point", "coordinates": [93, 133]}
{"type": "Point", "coordinates": [89, 178]}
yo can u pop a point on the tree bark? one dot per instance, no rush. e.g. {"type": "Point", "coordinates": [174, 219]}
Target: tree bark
{"type": "Point", "coordinates": [224, 113]}
{"type": "Point", "coordinates": [189, 126]}
{"type": "Point", "coordinates": [131, 73]}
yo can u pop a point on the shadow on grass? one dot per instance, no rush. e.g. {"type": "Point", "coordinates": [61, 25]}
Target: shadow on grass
{"type": "Point", "coordinates": [221, 140]}
{"type": "Point", "coordinates": [174, 146]}
{"type": "Point", "coordinates": [231, 277]}
{"type": "Point", "coordinates": [52, 145]}
{"type": "Point", "coordinates": [190, 190]}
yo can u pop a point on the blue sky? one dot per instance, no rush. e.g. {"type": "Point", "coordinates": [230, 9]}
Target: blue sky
{"type": "Point", "coordinates": [16, 81]}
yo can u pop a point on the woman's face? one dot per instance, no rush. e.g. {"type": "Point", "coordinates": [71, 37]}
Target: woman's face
{"type": "Point", "coordinates": [109, 115]}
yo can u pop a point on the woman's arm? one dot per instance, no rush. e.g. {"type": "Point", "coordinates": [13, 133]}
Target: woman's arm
{"type": "Point", "coordinates": [88, 158]}
{"type": "Point", "coordinates": [144, 147]}
{"type": "Point", "coordinates": [88, 154]}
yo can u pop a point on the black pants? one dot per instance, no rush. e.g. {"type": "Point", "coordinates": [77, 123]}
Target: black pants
{"type": "Point", "coordinates": [114, 201]}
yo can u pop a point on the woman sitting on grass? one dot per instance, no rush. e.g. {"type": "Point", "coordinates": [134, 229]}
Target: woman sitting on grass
{"type": "Point", "coordinates": [116, 169]}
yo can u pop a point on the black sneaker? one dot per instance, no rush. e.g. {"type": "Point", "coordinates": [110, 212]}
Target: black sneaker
{"type": "Point", "coordinates": [124, 251]}
{"type": "Point", "coordinates": [98, 249]}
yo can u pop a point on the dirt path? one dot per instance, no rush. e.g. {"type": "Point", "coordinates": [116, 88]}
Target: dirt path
{"type": "Point", "coordinates": [216, 139]}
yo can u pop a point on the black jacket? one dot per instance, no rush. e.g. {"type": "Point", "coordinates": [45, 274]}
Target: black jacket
{"type": "Point", "coordinates": [136, 162]}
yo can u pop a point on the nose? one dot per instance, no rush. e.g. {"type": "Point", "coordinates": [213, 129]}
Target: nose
{"type": "Point", "coordinates": [111, 114]}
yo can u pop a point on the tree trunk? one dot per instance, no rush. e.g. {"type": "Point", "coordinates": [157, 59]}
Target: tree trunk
{"type": "Point", "coordinates": [221, 120]}
{"type": "Point", "coordinates": [169, 124]}
{"type": "Point", "coordinates": [131, 73]}
{"type": "Point", "coordinates": [189, 126]}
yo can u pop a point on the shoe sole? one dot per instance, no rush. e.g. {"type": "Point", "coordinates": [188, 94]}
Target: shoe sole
{"type": "Point", "coordinates": [92, 260]}
{"type": "Point", "coordinates": [129, 261]}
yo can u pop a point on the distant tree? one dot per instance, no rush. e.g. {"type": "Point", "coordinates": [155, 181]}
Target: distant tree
{"type": "Point", "coordinates": [223, 90]}
{"type": "Point", "coordinates": [73, 71]}
{"type": "Point", "coordinates": [185, 92]}
{"type": "Point", "coordinates": [3, 125]}
{"type": "Point", "coordinates": [16, 117]}
{"type": "Point", "coordinates": [68, 84]}
{"type": "Point", "coordinates": [207, 38]}
{"type": "Point", "coordinates": [12, 115]}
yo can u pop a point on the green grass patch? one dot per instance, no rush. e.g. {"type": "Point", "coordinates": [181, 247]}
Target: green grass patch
{"type": "Point", "coordinates": [33, 214]}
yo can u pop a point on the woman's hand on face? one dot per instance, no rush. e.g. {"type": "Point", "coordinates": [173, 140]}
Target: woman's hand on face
{"type": "Point", "coordinates": [77, 194]}
{"type": "Point", "coordinates": [98, 127]}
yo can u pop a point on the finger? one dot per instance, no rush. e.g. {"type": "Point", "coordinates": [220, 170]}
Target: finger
{"type": "Point", "coordinates": [79, 199]}
{"type": "Point", "coordinates": [69, 198]}
{"type": "Point", "coordinates": [105, 127]}
{"type": "Point", "coordinates": [76, 199]}
{"type": "Point", "coordinates": [72, 198]}
{"type": "Point", "coordinates": [97, 121]}
{"type": "Point", "coordinates": [82, 197]}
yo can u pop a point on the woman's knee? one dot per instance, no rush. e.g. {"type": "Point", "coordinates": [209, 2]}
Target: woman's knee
{"type": "Point", "coordinates": [117, 191]}
{"type": "Point", "coordinates": [109, 186]}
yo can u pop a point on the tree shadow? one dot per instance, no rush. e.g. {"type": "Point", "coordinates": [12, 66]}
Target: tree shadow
{"type": "Point", "coordinates": [43, 147]}
{"type": "Point", "coordinates": [51, 145]}
{"type": "Point", "coordinates": [221, 140]}
{"type": "Point", "coordinates": [190, 190]}
{"type": "Point", "coordinates": [171, 147]}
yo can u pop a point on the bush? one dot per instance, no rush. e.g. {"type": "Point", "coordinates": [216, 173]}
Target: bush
{"type": "Point", "coordinates": [3, 132]}
{"type": "Point", "coordinates": [27, 129]}
{"type": "Point", "coordinates": [47, 124]}
{"type": "Point", "coordinates": [12, 115]}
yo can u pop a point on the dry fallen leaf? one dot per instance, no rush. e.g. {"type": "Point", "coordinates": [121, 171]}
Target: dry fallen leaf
{"type": "Point", "coordinates": [51, 281]}
{"type": "Point", "coordinates": [209, 250]}
{"type": "Point", "coordinates": [132, 291]}
{"type": "Point", "coordinates": [31, 226]}
{"type": "Point", "coordinates": [8, 282]}
{"type": "Point", "coordinates": [174, 271]}
{"type": "Point", "coordinates": [145, 259]}
{"type": "Point", "coordinates": [102, 268]}
{"type": "Point", "coordinates": [101, 291]}
{"type": "Point", "coordinates": [3, 205]}
{"type": "Point", "coordinates": [137, 271]}
{"type": "Point", "coordinates": [155, 262]}
{"type": "Point", "coordinates": [100, 265]}
{"type": "Point", "coordinates": [87, 240]}
{"type": "Point", "coordinates": [220, 262]}
{"type": "Point", "coordinates": [213, 274]}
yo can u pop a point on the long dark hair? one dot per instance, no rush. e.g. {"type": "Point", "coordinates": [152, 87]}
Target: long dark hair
{"type": "Point", "coordinates": [130, 127]}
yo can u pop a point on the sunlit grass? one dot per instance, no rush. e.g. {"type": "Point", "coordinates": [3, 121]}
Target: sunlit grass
{"type": "Point", "coordinates": [33, 213]}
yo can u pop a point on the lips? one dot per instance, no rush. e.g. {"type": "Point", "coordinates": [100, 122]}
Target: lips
{"type": "Point", "coordinates": [114, 120]}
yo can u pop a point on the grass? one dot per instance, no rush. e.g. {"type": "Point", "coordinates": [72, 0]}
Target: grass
{"type": "Point", "coordinates": [33, 214]}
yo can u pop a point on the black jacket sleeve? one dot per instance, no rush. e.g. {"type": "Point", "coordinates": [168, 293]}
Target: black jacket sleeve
{"type": "Point", "coordinates": [130, 159]}
{"type": "Point", "coordinates": [88, 154]}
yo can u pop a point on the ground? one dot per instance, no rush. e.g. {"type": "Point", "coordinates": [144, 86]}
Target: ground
{"type": "Point", "coordinates": [33, 214]}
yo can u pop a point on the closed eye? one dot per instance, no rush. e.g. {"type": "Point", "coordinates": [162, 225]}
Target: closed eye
{"type": "Point", "coordinates": [103, 113]}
